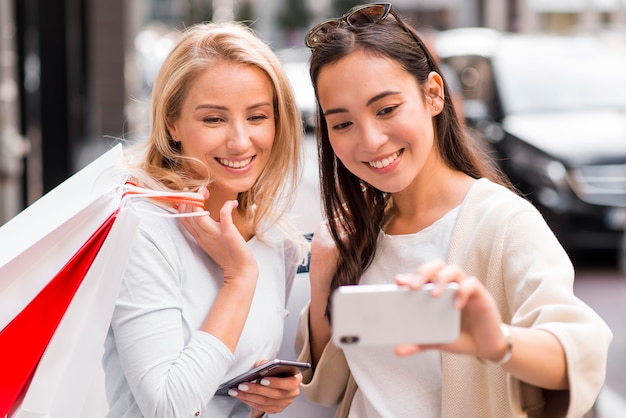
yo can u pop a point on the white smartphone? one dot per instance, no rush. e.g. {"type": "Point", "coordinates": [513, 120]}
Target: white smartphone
{"type": "Point", "coordinates": [274, 367]}
{"type": "Point", "coordinates": [388, 314]}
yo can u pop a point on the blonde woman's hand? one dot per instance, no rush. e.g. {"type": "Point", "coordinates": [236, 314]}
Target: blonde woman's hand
{"type": "Point", "coordinates": [480, 333]}
{"type": "Point", "coordinates": [221, 240]}
{"type": "Point", "coordinates": [269, 394]}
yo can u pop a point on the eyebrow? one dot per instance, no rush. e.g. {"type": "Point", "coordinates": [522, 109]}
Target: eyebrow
{"type": "Point", "coordinates": [371, 101]}
{"type": "Point", "coordinates": [219, 107]}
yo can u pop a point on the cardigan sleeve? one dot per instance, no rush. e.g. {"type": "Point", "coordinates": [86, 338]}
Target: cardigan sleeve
{"type": "Point", "coordinates": [504, 241]}
{"type": "Point", "coordinates": [326, 384]}
{"type": "Point", "coordinates": [543, 298]}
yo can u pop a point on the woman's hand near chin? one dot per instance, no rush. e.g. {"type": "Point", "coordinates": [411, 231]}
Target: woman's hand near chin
{"type": "Point", "coordinates": [223, 242]}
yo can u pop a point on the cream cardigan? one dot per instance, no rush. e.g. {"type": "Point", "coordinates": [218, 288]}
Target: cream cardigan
{"type": "Point", "coordinates": [503, 240]}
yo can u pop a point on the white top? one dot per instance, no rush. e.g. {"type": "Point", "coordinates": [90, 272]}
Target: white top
{"type": "Point", "coordinates": [157, 362]}
{"type": "Point", "coordinates": [388, 385]}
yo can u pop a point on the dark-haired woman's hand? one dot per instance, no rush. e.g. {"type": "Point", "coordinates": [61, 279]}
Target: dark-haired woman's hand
{"type": "Point", "coordinates": [480, 333]}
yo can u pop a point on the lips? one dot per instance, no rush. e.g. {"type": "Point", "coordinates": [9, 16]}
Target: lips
{"type": "Point", "coordinates": [238, 164]}
{"type": "Point", "coordinates": [385, 161]}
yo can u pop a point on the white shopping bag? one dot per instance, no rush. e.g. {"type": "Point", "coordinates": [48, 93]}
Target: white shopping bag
{"type": "Point", "coordinates": [41, 238]}
{"type": "Point", "coordinates": [61, 382]}
{"type": "Point", "coordinates": [54, 239]}
{"type": "Point", "coordinates": [62, 261]}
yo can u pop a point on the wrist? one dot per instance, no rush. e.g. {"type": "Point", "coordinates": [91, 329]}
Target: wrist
{"type": "Point", "coordinates": [509, 349]}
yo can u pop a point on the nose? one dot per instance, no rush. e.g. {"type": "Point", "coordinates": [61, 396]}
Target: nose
{"type": "Point", "coordinates": [372, 138]}
{"type": "Point", "coordinates": [238, 140]}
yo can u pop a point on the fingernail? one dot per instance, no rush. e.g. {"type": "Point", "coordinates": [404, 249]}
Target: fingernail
{"type": "Point", "coordinates": [232, 392]}
{"type": "Point", "coordinates": [243, 387]}
{"type": "Point", "coordinates": [265, 382]}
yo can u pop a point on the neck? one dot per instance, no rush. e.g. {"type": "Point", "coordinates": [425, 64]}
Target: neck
{"type": "Point", "coordinates": [426, 201]}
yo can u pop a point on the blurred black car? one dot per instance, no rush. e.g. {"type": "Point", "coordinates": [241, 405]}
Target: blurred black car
{"type": "Point", "coordinates": [552, 111]}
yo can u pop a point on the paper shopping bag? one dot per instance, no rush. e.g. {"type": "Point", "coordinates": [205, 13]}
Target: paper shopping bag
{"type": "Point", "coordinates": [47, 250]}
{"type": "Point", "coordinates": [59, 276]}
{"type": "Point", "coordinates": [64, 374]}
{"type": "Point", "coordinates": [40, 240]}
{"type": "Point", "coordinates": [25, 338]}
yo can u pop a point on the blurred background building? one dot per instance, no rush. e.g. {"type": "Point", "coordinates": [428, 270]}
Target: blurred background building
{"type": "Point", "coordinates": [71, 83]}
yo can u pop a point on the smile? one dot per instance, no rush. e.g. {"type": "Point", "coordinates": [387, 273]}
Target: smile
{"type": "Point", "coordinates": [234, 164]}
{"type": "Point", "coordinates": [385, 161]}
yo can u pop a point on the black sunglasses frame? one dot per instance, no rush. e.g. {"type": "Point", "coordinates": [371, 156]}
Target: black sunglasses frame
{"type": "Point", "coordinates": [311, 39]}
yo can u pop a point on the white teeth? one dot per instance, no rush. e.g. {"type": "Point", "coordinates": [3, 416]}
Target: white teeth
{"type": "Point", "coordinates": [234, 164]}
{"type": "Point", "coordinates": [385, 162]}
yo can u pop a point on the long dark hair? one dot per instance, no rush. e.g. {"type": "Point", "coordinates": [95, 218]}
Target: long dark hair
{"type": "Point", "coordinates": [356, 210]}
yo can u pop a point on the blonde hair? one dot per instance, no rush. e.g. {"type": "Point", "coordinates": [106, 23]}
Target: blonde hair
{"type": "Point", "coordinates": [158, 162]}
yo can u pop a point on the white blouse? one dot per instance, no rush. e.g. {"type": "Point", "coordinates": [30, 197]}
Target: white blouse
{"type": "Point", "coordinates": [157, 362]}
{"type": "Point", "coordinates": [388, 385]}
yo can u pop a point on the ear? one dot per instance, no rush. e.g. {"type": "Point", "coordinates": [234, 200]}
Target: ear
{"type": "Point", "coordinates": [435, 94]}
{"type": "Point", "coordinates": [172, 128]}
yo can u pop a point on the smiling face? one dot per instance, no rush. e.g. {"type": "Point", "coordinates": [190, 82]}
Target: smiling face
{"type": "Point", "coordinates": [227, 122]}
{"type": "Point", "coordinates": [380, 120]}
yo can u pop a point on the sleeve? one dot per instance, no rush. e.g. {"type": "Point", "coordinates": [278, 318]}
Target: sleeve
{"type": "Point", "coordinates": [327, 384]}
{"type": "Point", "coordinates": [502, 239]}
{"type": "Point", "coordinates": [544, 299]}
{"type": "Point", "coordinates": [170, 370]}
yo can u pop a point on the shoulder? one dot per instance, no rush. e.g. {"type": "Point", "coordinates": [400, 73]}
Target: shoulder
{"type": "Point", "coordinates": [494, 211]}
{"type": "Point", "coordinates": [323, 244]}
{"type": "Point", "coordinates": [159, 233]}
{"type": "Point", "coordinates": [154, 218]}
{"type": "Point", "coordinates": [495, 220]}
{"type": "Point", "coordinates": [485, 192]}
{"type": "Point", "coordinates": [489, 200]}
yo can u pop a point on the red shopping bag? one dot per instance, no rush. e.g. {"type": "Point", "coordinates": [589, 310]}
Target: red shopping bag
{"type": "Point", "coordinates": [24, 340]}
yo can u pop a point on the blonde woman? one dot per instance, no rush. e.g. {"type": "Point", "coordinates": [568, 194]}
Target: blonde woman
{"type": "Point", "coordinates": [204, 296]}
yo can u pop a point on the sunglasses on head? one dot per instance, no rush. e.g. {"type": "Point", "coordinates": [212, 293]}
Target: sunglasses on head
{"type": "Point", "coordinates": [367, 14]}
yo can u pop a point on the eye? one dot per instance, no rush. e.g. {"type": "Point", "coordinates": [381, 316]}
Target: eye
{"type": "Point", "coordinates": [387, 110]}
{"type": "Point", "coordinates": [341, 126]}
{"type": "Point", "coordinates": [258, 117]}
{"type": "Point", "coordinates": [212, 119]}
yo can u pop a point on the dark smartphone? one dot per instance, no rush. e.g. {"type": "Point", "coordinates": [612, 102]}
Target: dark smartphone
{"type": "Point", "coordinates": [274, 367]}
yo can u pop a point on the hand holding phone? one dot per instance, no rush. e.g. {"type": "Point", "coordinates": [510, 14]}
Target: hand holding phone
{"type": "Point", "coordinates": [276, 367]}
{"type": "Point", "coordinates": [388, 315]}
